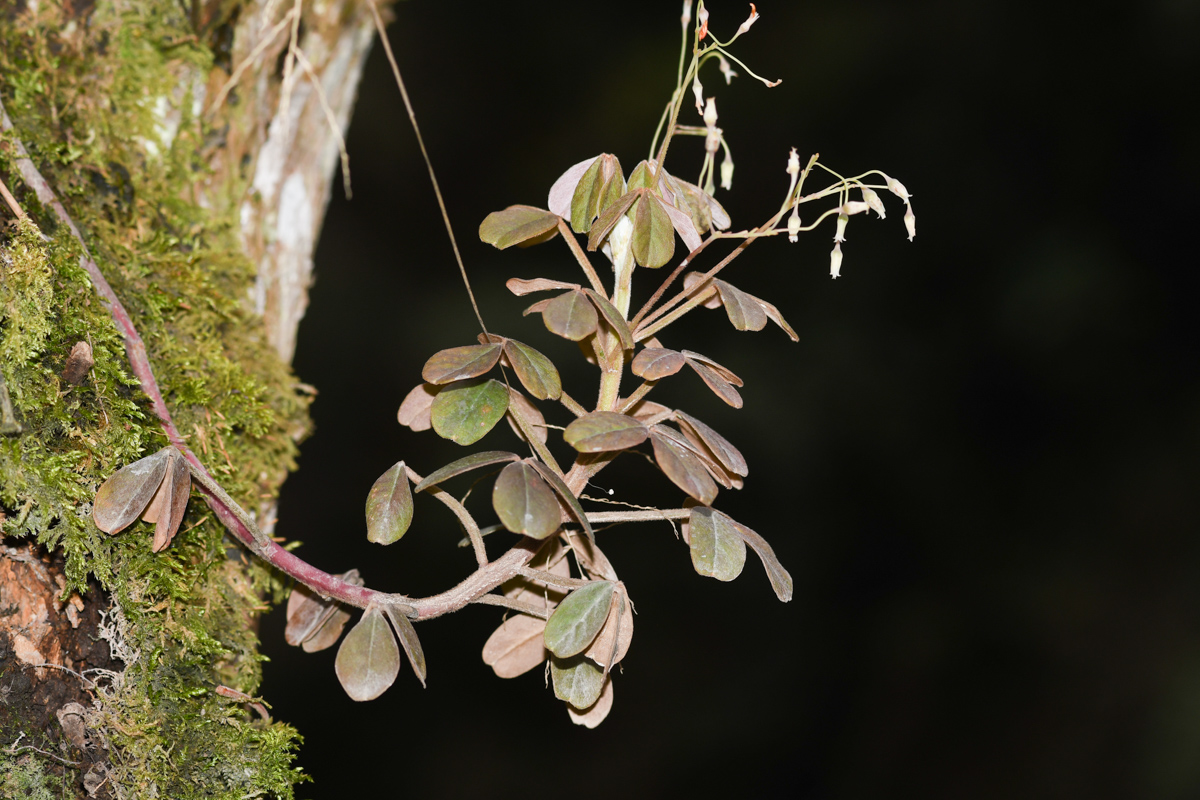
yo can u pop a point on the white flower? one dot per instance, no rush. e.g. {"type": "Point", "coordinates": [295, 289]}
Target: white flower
{"type": "Point", "coordinates": [835, 260]}
{"type": "Point", "coordinates": [794, 225]}
{"type": "Point", "coordinates": [710, 113]}
{"type": "Point", "coordinates": [910, 222]}
{"type": "Point", "coordinates": [874, 202]}
{"type": "Point", "coordinates": [753, 18]}
{"type": "Point", "coordinates": [726, 69]}
{"type": "Point", "coordinates": [840, 236]}
{"type": "Point", "coordinates": [897, 188]}
{"type": "Point", "coordinates": [727, 173]}
{"type": "Point", "coordinates": [854, 207]}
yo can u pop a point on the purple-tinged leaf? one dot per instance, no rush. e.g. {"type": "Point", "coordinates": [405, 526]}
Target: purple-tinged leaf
{"type": "Point", "coordinates": [745, 310]}
{"type": "Point", "coordinates": [414, 411]}
{"type": "Point", "coordinates": [124, 496]}
{"type": "Point", "coordinates": [612, 317]}
{"type": "Point", "coordinates": [609, 219]}
{"type": "Point", "coordinates": [577, 681]}
{"type": "Point", "coordinates": [714, 366]}
{"type": "Point", "coordinates": [516, 646]}
{"type": "Point", "coordinates": [537, 308]}
{"type": "Point", "coordinates": [368, 661]}
{"type": "Point", "coordinates": [571, 316]}
{"type": "Point", "coordinates": [524, 503]}
{"type": "Point", "coordinates": [464, 412]}
{"type": "Point", "coordinates": [409, 641]}
{"type": "Point", "coordinates": [521, 287]}
{"type": "Point", "coordinates": [684, 226]}
{"type": "Point", "coordinates": [721, 387]}
{"type": "Point", "coordinates": [314, 622]}
{"type": "Point", "coordinates": [523, 225]}
{"type": "Point", "coordinates": [729, 456]}
{"type": "Point", "coordinates": [721, 475]}
{"type": "Point", "coordinates": [710, 291]}
{"type": "Point", "coordinates": [536, 372]}
{"type": "Point", "coordinates": [601, 431]}
{"type": "Point", "coordinates": [683, 467]}
{"type": "Point", "coordinates": [718, 550]}
{"type": "Point", "coordinates": [170, 501]}
{"type": "Point", "coordinates": [777, 318]}
{"type": "Point", "coordinates": [389, 506]}
{"type": "Point", "coordinates": [460, 363]}
{"type": "Point", "coordinates": [781, 581]}
{"type": "Point", "coordinates": [574, 624]}
{"type": "Point", "coordinates": [650, 412]}
{"type": "Point", "coordinates": [656, 363]}
{"type": "Point", "coordinates": [519, 407]}
{"type": "Point", "coordinates": [564, 493]}
{"type": "Point", "coordinates": [465, 464]}
{"type": "Point", "coordinates": [612, 642]}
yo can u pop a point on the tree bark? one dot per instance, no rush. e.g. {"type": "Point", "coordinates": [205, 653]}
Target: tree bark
{"type": "Point", "coordinates": [195, 149]}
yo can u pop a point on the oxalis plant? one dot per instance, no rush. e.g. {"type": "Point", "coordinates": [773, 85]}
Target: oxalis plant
{"type": "Point", "coordinates": [565, 602]}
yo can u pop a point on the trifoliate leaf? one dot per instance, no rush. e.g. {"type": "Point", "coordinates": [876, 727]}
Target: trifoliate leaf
{"type": "Point", "coordinates": [170, 501]}
{"type": "Point", "coordinates": [124, 496]}
{"type": "Point", "coordinates": [564, 494]}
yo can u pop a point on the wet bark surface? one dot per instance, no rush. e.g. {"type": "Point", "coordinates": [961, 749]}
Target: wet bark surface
{"type": "Point", "coordinates": [43, 635]}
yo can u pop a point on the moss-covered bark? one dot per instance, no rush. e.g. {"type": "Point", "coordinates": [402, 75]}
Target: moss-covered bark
{"type": "Point", "coordinates": [110, 101]}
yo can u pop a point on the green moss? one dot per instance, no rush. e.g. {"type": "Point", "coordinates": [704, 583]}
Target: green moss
{"type": "Point", "coordinates": [23, 777]}
{"type": "Point", "coordinates": [85, 99]}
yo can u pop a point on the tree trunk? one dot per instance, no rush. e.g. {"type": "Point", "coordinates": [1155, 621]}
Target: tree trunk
{"type": "Point", "coordinates": [194, 149]}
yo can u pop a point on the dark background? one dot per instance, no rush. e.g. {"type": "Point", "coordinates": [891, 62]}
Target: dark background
{"type": "Point", "coordinates": [979, 463]}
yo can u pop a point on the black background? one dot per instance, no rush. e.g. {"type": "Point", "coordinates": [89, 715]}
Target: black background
{"type": "Point", "coordinates": [979, 463]}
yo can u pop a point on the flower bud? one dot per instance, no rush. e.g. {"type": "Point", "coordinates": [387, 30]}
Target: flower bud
{"type": "Point", "coordinates": [910, 221]}
{"type": "Point", "coordinates": [793, 167]}
{"type": "Point", "coordinates": [698, 90]}
{"type": "Point", "coordinates": [712, 140]}
{"type": "Point", "coordinates": [794, 225]}
{"type": "Point", "coordinates": [840, 236]}
{"type": "Point", "coordinates": [753, 18]}
{"type": "Point", "coordinates": [687, 13]}
{"type": "Point", "coordinates": [874, 202]}
{"type": "Point", "coordinates": [897, 188]}
{"type": "Point", "coordinates": [703, 18]}
{"type": "Point", "coordinates": [726, 69]}
{"type": "Point", "coordinates": [727, 173]}
{"type": "Point", "coordinates": [854, 207]}
{"type": "Point", "coordinates": [710, 113]}
{"type": "Point", "coordinates": [835, 261]}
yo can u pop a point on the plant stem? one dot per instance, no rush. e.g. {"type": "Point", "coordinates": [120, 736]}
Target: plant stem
{"type": "Point", "coordinates": [581, 257]}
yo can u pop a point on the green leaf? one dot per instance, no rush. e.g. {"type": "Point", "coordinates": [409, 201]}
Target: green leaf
{"type": "Point", "coordinates": [518, 225]}
{"type": "Point", "coordinates": [578, 618]}
{"type": "Point", "coordinates": [389, 506]}
{"type": "Point", "coordinates": [683, 468]}
{"type": "Point", "coordinates": [612, 317]}
{"type": "Point", "coordinates": [408, 639]}
{"type": "Point", "coordinates": [642, 176]}
{"type": "Point", "coordinates": [601, 431]}
{"type": "Point", "coordinates": [459, 363]}
{"type": "Point", "coordinates": [744, 310]}
{"type": "Point", "coordinates": [718, 550]}
{"type": "Point", "coordinates": [577, 681]}
{"type": "Point", "coordinates": [656, 363]}
{"type": "Point", "coordinates": [465, 411]}
{"type": "Point", "coordinates": [600, 185]}
{"type": "Point", "coordinates": [368, 661]}
{"type": "Point", "coordinates": [536, 372]}
{"type": "Point", "coordinates": [122, 498]}
{"type": "Point", "coordinates": [524, 503]}
{"type": "Point", "coordinates": [465, 464]}
{"type": "Point", "coordinates": [781, 581]}
{"type": "Point", "coordinates": [653, 234]}
{"type": "Point", "coordinates": [729, 456]}
{"type": "Point", "coordinates": [564, 493]}
{"type": "Point", "coordinates": [571, 316]}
